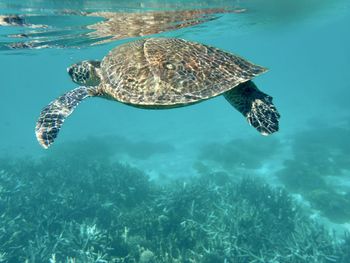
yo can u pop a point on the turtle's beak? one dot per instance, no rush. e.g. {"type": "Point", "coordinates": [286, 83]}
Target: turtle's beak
{"type": "Point", "coordinates": [70, 71]}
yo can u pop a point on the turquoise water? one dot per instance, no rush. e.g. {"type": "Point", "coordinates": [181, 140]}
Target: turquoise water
{"type": "Point", "coordinates": [306, 48]}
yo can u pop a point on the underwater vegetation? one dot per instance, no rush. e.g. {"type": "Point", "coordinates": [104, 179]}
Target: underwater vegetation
{"type": "Point", "coordinates": [71, 210]}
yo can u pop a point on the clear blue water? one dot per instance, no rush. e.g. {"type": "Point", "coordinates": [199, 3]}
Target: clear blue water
{"type": "Point", "coordinates": [304, 45]}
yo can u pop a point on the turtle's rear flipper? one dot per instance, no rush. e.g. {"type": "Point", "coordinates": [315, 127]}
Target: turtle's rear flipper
{"type": "Point", "coordinates": [256, 106]}
{"type": "Point", "coordinates": [53, 115]}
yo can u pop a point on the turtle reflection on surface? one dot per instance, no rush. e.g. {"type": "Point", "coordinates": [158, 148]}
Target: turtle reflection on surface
{"type": "Point", "coordinates": [17, 20]}
{"type": "Point", "coordinates": [127, 25]}
{"type": "Point", "coordinates": [115, 26]}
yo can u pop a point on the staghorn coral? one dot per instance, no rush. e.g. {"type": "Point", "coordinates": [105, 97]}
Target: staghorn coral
{"type": "Point", "coordinates": [107, 212]}
{"type": "Point", "coordinates": [52, 208]}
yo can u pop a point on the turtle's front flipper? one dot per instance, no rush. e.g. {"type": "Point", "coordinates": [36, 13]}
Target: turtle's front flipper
{"type": "Point", "coordinates": [53, 115]}
{"type": "Point", "coordinates": [256, 106]}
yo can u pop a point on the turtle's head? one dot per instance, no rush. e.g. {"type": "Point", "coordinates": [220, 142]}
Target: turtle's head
{"type": "Point", "coordinates": [85, 73]}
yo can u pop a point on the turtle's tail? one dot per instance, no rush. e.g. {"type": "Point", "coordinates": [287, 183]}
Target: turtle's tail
{"type": "Point", "coordinates": [256, 106]}
{"type": "Point", "coordinates": [53, 115]}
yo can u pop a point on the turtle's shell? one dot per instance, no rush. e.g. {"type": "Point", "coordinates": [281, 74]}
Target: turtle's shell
{"type": "Point", "coordinates": [171, 72]}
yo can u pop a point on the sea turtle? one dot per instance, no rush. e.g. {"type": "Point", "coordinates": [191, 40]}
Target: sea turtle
{"type": "Point", "coordinates": [162, 73]}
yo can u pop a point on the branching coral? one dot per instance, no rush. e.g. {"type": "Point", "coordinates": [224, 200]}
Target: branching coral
{"type": "Point", "coordinates": [57, 209]}
{"type": "Point", "coordinates": [107, 212]}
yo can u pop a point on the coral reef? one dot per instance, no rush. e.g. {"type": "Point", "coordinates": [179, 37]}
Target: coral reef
{"type": "Point", "coordinates": [70, 210]}
{"type": "Point", "coordinates": [55, 208]}
{"type": "Point", "coordinates": [240, 153]}
{"type": "Point", "coordinates": [319, 162]}
{"type": "Point", "coordinates": [314, 163]}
